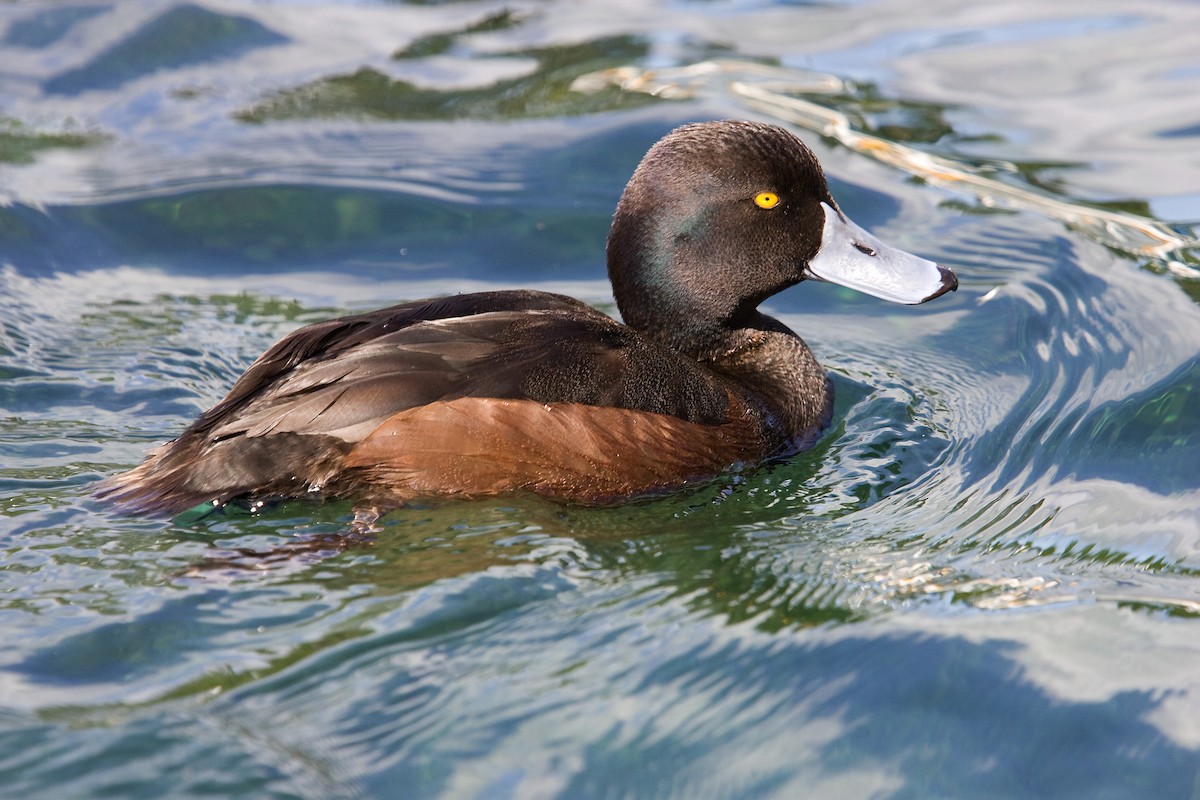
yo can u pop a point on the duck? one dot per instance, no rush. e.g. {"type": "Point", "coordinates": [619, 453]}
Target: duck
{"type": "Point", "coordinates": [521, 391]}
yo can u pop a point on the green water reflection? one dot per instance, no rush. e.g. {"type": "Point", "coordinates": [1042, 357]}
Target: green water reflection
{"type": "Point", "coordinates": [19, 144]}
{"type": "Point", "coordinates": [369, 94]}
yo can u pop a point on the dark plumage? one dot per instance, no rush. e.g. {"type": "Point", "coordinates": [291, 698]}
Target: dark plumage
{"type": "Point", "coordinates": [498, 392]}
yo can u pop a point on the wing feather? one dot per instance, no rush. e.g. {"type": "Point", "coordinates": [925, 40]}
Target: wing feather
{"type": "Point", "coordinates": [306, 402]}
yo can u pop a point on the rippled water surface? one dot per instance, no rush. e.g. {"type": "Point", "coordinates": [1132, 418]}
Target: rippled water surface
{"type": "Point", "coordinates": [983, 582]}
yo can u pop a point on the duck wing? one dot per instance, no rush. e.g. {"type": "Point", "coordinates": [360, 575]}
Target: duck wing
{"type": "Point", "coordinates": [287, 425]}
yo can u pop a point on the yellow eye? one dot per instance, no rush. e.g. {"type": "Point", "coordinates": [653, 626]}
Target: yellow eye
{"type": "Point", "coordinates": [766, 199]}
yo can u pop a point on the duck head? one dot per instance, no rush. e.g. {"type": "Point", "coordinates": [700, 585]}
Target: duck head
{"type": "Point", "coordinates": [719, 216]}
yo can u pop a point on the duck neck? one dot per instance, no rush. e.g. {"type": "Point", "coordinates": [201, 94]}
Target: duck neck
{"type": "Point", "coordinates": [683, 327]}
{"type": "Point", "coordinates": [665, 292]}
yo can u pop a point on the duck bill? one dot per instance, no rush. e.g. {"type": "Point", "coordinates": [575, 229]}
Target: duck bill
{"type": "Point", "coordinates": [851, 257]}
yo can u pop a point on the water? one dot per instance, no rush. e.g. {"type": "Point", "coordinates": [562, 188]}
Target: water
{"type": "Point", "coordinates": [981, 583]}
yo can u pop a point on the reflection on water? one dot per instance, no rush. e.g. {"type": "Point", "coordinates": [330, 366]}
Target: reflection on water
{"type": "Point", "coordinates": [181, 36]}
{"type": "Point", "coordinates": [19, 144]}
{"type": "Point", "coordinates": [982, 581]}
{"type": "Point", "coordinates": [543, 91]}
